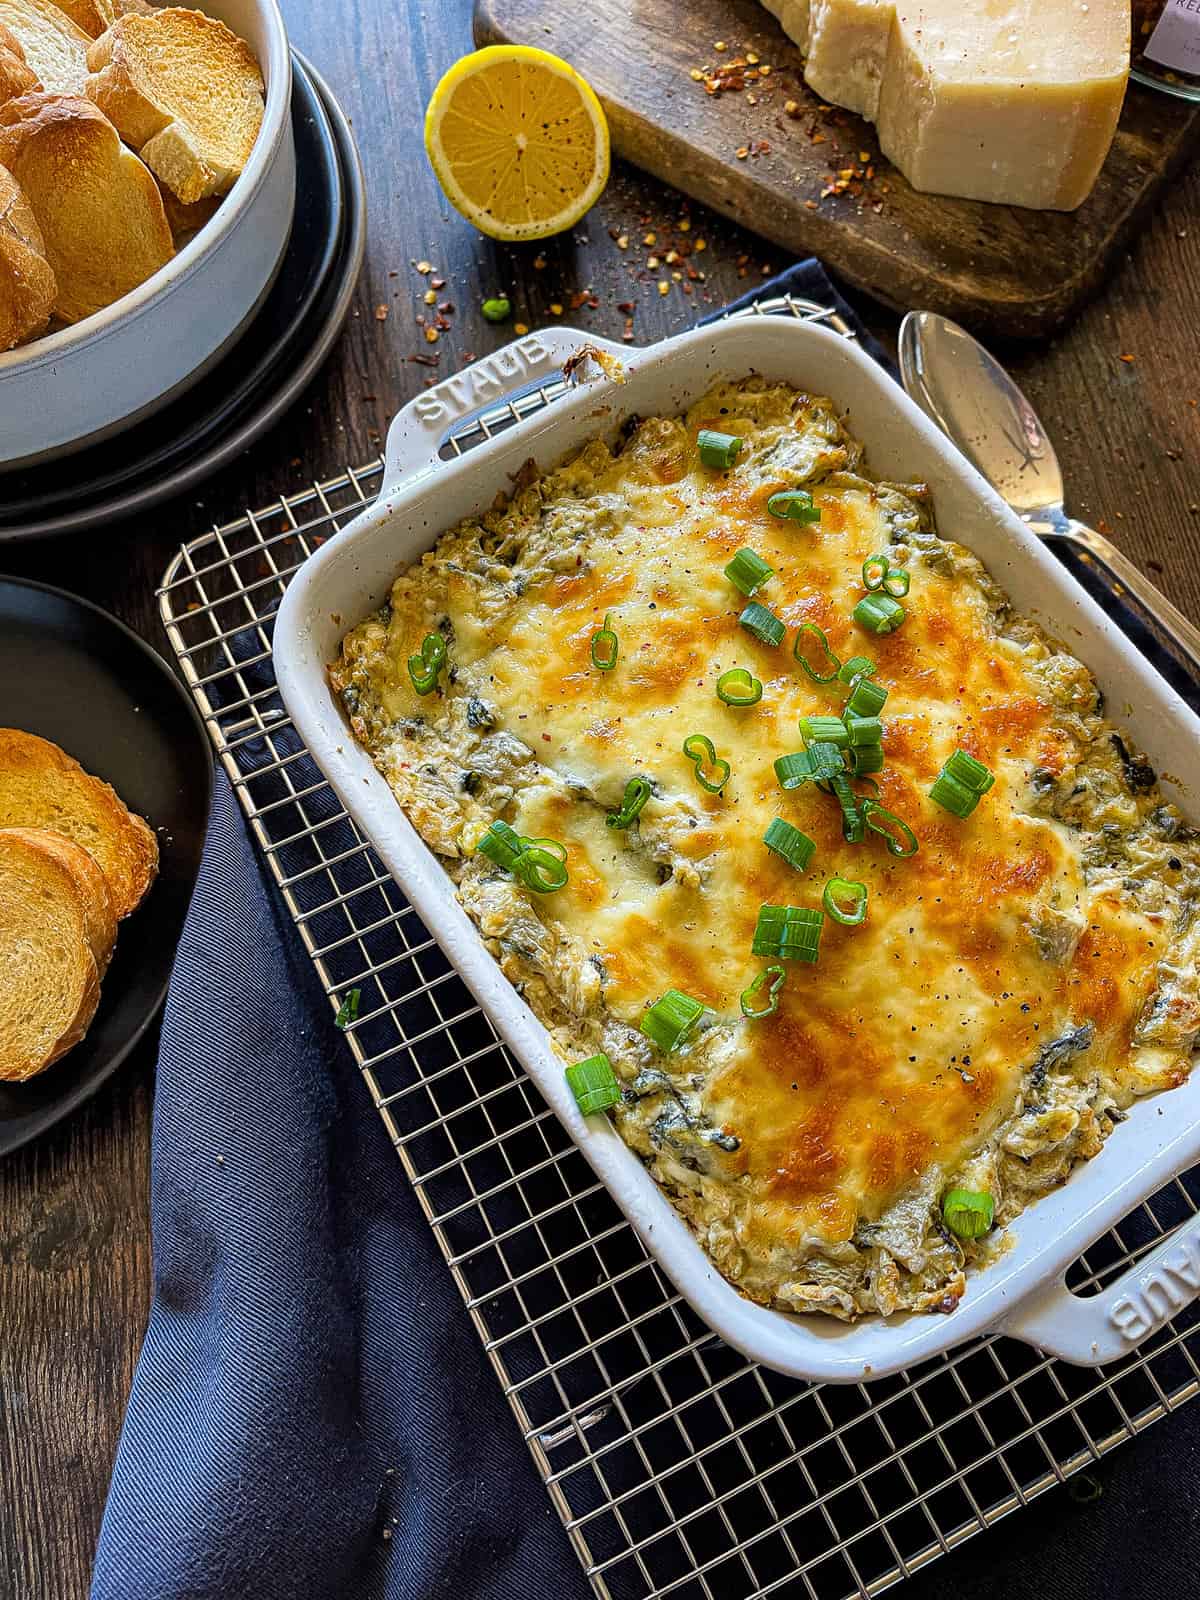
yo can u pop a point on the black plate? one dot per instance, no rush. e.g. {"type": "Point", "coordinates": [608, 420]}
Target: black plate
{"type": "Point", "coordinates": [72, 673]}
{"type": "Point", "coordinates": [260, 377]}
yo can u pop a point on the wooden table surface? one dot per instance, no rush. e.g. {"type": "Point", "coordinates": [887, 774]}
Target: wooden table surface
{"type": "Point", "coordinates": [1119, 393]}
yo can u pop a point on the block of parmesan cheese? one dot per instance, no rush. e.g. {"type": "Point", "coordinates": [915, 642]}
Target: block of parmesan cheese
{"type": "Point", "coordinates": [1015, 101]}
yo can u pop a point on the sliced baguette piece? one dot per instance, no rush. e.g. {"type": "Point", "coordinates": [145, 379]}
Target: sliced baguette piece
{"type": "Point", "coordinates": [49, 981]}
{"type": "Point", "coordinates": [28, 287]}
{"type": "Point", "coordinates": [185, 221]}
{"type": "Point", "coordinates": [98, 207]}
{"type": "Point", "coordinates": [54, 47]}
{"type": "Point", "coordinates": [43, 787]}
{"type": "Point", "coordinates": [16, 75]}
{"type": "Point", "coordinates": [183, 91]}
{"type": "Point", "coordinates": [93, 16]}
{"type": "Point", "coordinates": [100, 919]}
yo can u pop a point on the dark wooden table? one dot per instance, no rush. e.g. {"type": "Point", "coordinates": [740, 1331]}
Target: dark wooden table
{"type": "Point", "coordinates": [1120, 393]}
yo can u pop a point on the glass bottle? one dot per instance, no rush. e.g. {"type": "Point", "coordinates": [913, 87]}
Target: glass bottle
{"type": "Point", "coordinates": [1165, 43]}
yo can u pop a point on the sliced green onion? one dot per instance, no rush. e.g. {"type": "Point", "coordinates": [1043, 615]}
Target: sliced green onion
{"type": "Point", "coordinates": [857, 667]}
{"type": "Point", "coordinates": [497, 309]}
{"type": "Point", "coordinates": [718, 449]}
{"type": "Point", "coordinates": [854, 825]}
{"type": "Point", "coordinates": [348, 1010]}
{"type": "Point", "coordinates": [969, 772]}
{"type": "Point", "coordinates": [952, 795]}
{"type": "Point", "coordinates": [763, 624]}
{"type": "Point", "coordinates": [795, 847]}
{"type": "Point", "coordinates": [606, 647]}
{"type": "Point", "coordinates": [738, 687]}
{"type": "Point", "coordinates": [827, 760]}
{"type": "Point", "coordinates": [864, 758]}
{"type": "Point", "coordinates": [423, 669]}
{"type": "Point", "coordinates": [637, 792]}
{"type": "Point", "coordinates": [594, 1084]}
{"type": "Point", "coordinates": [843, 889]}
{"type": "Point", "coordinates": [863, 730]}
{"type": "Point", "coordinates": [501, 844]}
{"type": "Point", "coordinates": [794, 504]}
{"type": "Point", "coordinates": [968, 1213]}
{"type": "Point", "coordinates": [896, 583]}
{"type": "Point", "coordinates": [803, 632]}
{"type": "Point", "coordinates": [748, 571]}
{"type": "Point", "coordinates": [866, 698]}
{"type": "Point", "coordinates": [830, 730]}
{"type": "Point", "coordinates": [540, 867]}
{"type": "Point", "coordinates": [875, 570]}
{"type": "Point", "coordinates": [879, 613]}
{"type": "Point", "coordinates": [900, 842]}
{"type": "Point", "coordinates": [671, 1019]}
{"type": "Point", "coordinates": [773, 975]}
{"type": "Point", "coordinates": [701, 752]}
{"type": "Point", "coordinates": [795, 769]}
{"type": "Point", "coordinates": [788, 933]}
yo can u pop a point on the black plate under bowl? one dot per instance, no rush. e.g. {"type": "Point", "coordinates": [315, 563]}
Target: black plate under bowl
{"type": "Point", "coordinates": [251, 386]}
{"type": "Point", "coordinates": [73, 674]}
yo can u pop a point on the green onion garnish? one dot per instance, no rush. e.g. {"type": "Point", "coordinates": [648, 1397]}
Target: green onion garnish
{"type": "Point", "coordinates": [845, 889]}
{"type": "Point", "coordinates": [738, 687]}
{"type": "Point", "coordinates": [606, 647]}
{"type": "Point", "coordinates": [501, 844]}
{"type": "Point", "coordinates": [896, 583]}
{"type": "Point", "coordinates": [831, 730]}
{"type": "Point", "coordinates": [794, 504]}
{"type": "Point", "coordinates": [594, 1084]}
{"type": "Point", "coordinates": [540, 867]}
{"type": "Point", "coordinates": [803, 632]}
{"type": "Point", "coordinates": [863, 730]}
{"type": "Point", "coordinates": [671, 1019]}
{"type": "Point", "coordinates": [875, 570]}
{"type": "Point", "coordinates": [879, 613]}
{"type": "Point", "coordinates": [864, 758]}
{"type": "Point", "coordinates": [866, 698]}
{"type": "Point", "coordinates": [827, 760]}
{"type": "Point", "coordinates": [794, 770]}
{"type": "Point", "coordinates": [423, 669]}
{"type": "Point", "coordinates": [701, 752]}
{"type": "Point", "coordinates": [763, 624]}
{"type": "Point", "coordinates": [854, 826]}
{"type": "Point", "coordinates": [857, 667]}
{"type": "Point", "coordinates": [497, 309]}
{"type": "Point", "coordinates": [788, 933]}
{"type": "Point", "coordinates": [897, 835]}
{"type": "Point", "coordinates": [968, 1214]}
{"type": "Point", "coordinates": [973, 774]}
{"type": "Point", "coordinates": [952, 795]}
{"type": "Point", "coordinates": [637, 792]}
{"type": "Point", "coordinates": [717, 449]}
{"type": "Point", "coordinates": [348, 1010]}
{"type": "Point", "coordinates": [795, 847]}
{"type": "Point", "coordinates": [775, 976]}
{"type": "Point", "coordinates": [748, 571]}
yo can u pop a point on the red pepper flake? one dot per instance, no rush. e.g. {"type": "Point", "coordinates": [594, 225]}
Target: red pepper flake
{"type": "Point", "coordinates": [437, 283]}
{"type": "Point", "coordinates": [381, 313]}
{"type": "Point", "coordinates": [424, 361]}
{"type": "Point", "coordinates": [1128, 359]}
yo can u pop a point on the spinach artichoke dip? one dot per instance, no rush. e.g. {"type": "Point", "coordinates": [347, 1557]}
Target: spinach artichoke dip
{"type": "Point", "coordinates": [863, 922]}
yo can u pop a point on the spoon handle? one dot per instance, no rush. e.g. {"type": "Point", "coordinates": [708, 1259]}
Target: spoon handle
{"type": "Point", "coordinates": [1184, 634]}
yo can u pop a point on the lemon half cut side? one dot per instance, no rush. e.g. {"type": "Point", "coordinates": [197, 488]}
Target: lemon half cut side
{"type": "Point", "coordinates": [518, 141]}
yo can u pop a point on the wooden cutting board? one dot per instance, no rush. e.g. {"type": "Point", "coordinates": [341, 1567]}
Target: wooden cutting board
{"type": "Point", "coordinates": [999, 269]}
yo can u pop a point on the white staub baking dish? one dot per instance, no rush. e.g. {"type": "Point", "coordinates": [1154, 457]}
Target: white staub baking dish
{"type": "Point", "coordinates": [1023, 1292]}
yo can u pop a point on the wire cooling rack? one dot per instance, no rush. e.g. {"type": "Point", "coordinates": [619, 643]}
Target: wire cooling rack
{"type": "Point", "coordinates": [677, 1466]}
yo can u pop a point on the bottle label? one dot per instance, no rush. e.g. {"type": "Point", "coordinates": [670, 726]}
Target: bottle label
{"type": "Point", "coordinates": [1175, 41]}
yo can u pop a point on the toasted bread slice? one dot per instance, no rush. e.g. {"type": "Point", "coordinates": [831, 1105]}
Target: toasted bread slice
{"type": "Point", "coordinates": [54, 47]}
{"type": "Point", "coordinates": [100, 920]}
{"type": "Point", "coordinates": [93, 16]}
{"type": "Point", "coordinates": [28, 288]}
{"type": "Point", "coordinates": [43, 787]}
{"type": "Point", "coordinates": [185, 92]}
{"type": "Point", "coordinates": [16, 75]}
{"type": "Point", "coordinates": [49, 981]}
{"type": "Point", "coordinates": [186, 221]}
{"type": "Point", "coordinates": [98, 207]}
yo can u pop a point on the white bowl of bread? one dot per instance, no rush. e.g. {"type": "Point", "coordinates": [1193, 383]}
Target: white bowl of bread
{"type": "Point", "coordinates": [147, 185]}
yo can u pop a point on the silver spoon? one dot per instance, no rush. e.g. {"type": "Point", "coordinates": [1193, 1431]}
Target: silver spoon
{"type": "Point", "coordinates": [975, 403]}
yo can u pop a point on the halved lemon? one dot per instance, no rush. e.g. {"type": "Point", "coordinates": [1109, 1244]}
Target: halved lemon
{"type": "Point", "coordinates": [518, 141]}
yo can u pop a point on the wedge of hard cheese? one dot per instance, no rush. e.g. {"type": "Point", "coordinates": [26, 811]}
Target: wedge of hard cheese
{"type": "Point", "coordinates": [1016, 101]}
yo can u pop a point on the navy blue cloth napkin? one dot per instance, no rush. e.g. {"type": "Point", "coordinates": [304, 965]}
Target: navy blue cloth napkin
{"type": "Point", "coordinates": [312, 1414]}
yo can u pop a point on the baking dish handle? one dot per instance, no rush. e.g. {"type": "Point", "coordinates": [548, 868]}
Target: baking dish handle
{"type": "Point", "coordinates": [1104, 1327]}
{"type": "Point", "coordinates": [420, 428]}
